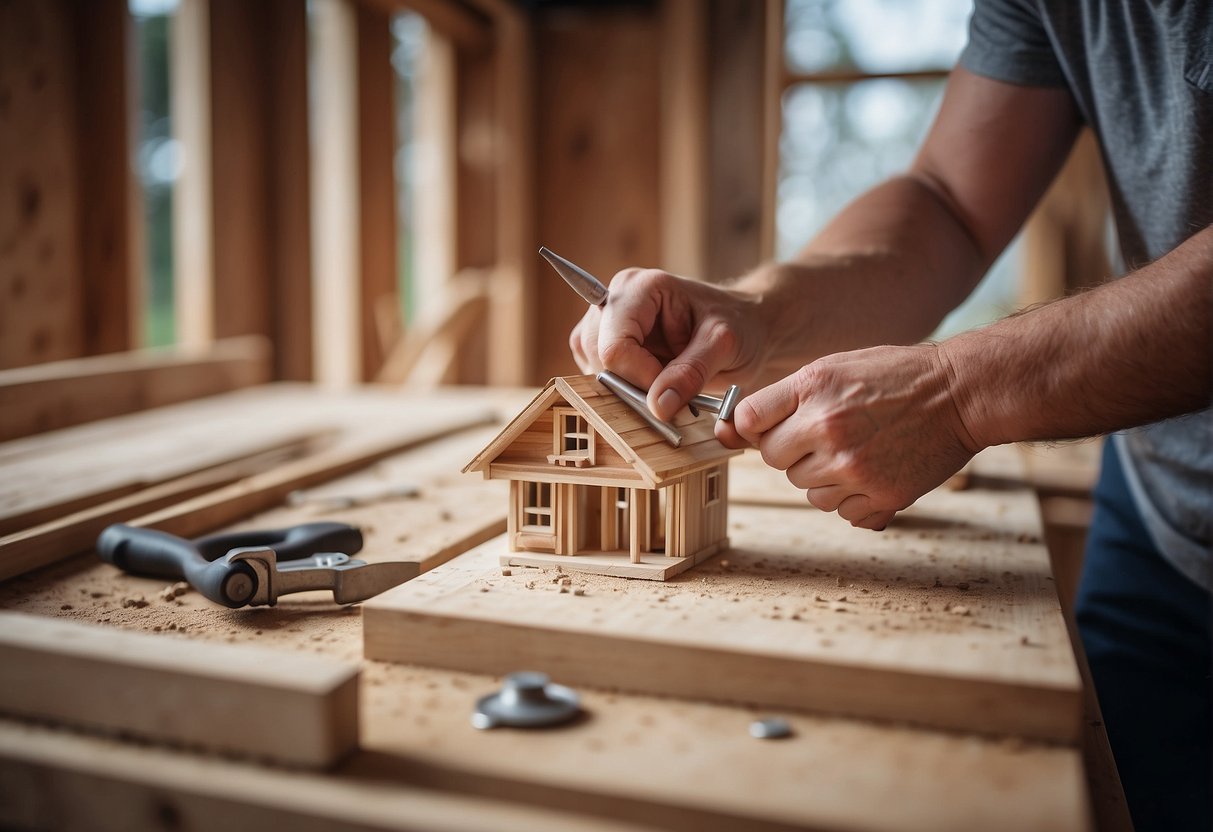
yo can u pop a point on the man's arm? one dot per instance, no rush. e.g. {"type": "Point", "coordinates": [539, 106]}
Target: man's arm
{"type": "Point", "coordinates": [1131, 352]}
{"type": "Point", "coordinates": [886, 270]}
{"type": "Point", "coordinates": [868, 432]}
{"type": "Point", "coordinates": [893, 263]}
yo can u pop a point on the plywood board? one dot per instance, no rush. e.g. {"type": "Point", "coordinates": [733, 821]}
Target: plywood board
{"type": "Point", "coordinates": [948, 619]}
{"type": "Point", "coordinates": [250, 701]}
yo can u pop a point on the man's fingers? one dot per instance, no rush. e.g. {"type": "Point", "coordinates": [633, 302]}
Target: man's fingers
{"type": "Point", "coordinates": [713, 347]}
{"type": "Point", "coordinates": [762, 410]}
{"type": "Point", "coordinates": [856, 507]}
{"type": "Point", "coordinates": [728, 435]}
{"type": "Point", "coordinates": [876, 521]}
{"type": "Point", "coordinates": [809, 471]}
{"type": "Point", "coordinates": [828, 497]}
{"type": "Point", "coordinates": [627, 319]}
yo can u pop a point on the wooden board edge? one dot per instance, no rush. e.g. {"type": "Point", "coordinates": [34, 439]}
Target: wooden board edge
{"type": "Point", "coordinates": [297, 709]}
{"type": "Point", "coordinates": [722, 675]}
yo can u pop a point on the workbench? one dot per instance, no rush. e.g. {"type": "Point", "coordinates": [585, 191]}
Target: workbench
{"type": "Point", "coordinates": [653, 750]}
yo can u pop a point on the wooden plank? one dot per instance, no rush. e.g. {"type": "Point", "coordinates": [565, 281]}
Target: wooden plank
{"type": "Point", "coordinates": [336, 255]}
{"type": "Point", "coordinates": [263, 491]}
{"type": "Point", "coordinates": [833, 774]}
{"type": "Point", "coordinates": [684, 136]}
{"type": "Point", "coordinates": [594, 65]}
{"type": "Point", "coordinates": [738, 121]}
{"type": "Point", "coordinates": [290, 708]}
{"type": "Point", "coordinates": [41, 318]}
{"type": "Point", "coordinates": [376, 153]}
{"type": "Point", "coordinates": [514, 316]}
{"type": "Point", "coordinates": [104, 149]}
{"type": "Point", "coordinates": [57, 539]}
{"type": "Point", "coordinates": [65, 393]}
{"type": "Point", "coordinates": [948, 608]}
{"type": "Point", "coordinates": [475, 231]}
{"type": "Point", "coordinates": [193, 211]}
{"type": "Point", "coordinates": [70, 781]}
{"type": "Point", "coordinates": [260, 199]}
{"type": "Point", "coordinates": [289, 174]}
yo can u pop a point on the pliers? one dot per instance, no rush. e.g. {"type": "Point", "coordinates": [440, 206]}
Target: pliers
{"type": "Point", "coordinates": [247, 568]}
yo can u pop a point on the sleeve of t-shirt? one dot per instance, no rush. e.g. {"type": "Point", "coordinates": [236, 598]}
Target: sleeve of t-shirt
{"type": "Point", "coordinates": [1008, 42]}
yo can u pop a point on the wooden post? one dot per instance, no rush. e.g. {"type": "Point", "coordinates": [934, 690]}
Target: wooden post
{"type": "Point", "coordinates": [512, 318]}
{"type": "Point", "coordinates": [599, 190]}
{"type": "Point", "coordinates": [684, 136]}
{"type": "Point", "coordinates": [260, 149]}
{"type": "Point", "coordinates": [376, 152]}
{"type": "Point", "coordinates": [738, 124]}
{"type": "Point", "coordinates": [193, 232]}
{"type": "Point", "coordinates": [107, 185]}
{"type": "Point", "coordinates": [634, 526]}
{"type": "Point", "coordinates": [336, 217]}
{"type": "Point", "coordinates": [433, 212]}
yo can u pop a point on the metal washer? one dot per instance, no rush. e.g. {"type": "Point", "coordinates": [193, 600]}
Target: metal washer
{"type": "Point", "coordinates": [527, 699]}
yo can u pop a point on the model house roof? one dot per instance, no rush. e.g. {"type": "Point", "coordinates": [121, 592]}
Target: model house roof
{"type": "Point", "coordinates": [642, 447]}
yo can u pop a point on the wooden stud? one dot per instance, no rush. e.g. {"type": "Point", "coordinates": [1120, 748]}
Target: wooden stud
{"type": "Point", "coordinates": [336, 219]}
{"type": "Point", "coordinates": [65, 393]}
{"type": "Point", "coordinates": [599, 191]}
{"type": "Point", "coordinates": [376, 155]}
{"type": "Point", "coordinates": [512, 325]}
{"type": "Point", "coordinates": [193, 214]}
{"type": "Point", "coordinates": [433, 206]}
{"type": "Point", "coordinates": [107, 184]}
{"type": "Point", "coordinates": [289, 707]}
{"type": "Point", "coordinates": [684, 132]}
{"type": "Point", "coordinates": [40, 316]}
{"type": "Point", "coordinates": [259, 147]}
{"type": "Point", "coordinates": [738, 122]}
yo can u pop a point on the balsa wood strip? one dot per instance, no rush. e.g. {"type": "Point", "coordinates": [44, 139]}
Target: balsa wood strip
{"type": "Point", "coordinates": [288, 707]}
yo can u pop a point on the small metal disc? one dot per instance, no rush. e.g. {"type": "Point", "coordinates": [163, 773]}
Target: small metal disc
{"type": "Point", "coordinates": [526, 700]}
{"type": "Point", "coordinates": [770, 728]}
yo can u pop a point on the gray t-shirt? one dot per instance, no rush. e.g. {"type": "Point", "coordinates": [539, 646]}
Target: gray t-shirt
{"type": "Point", "coordinates": [1141, 74]}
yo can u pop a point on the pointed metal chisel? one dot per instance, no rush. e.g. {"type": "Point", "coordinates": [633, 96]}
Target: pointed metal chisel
{"type": "Point", "coordinates": [585, 284]}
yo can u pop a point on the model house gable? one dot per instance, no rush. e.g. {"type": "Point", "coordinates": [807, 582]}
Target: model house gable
{"type": "Point", "coordinates": [577, 430]}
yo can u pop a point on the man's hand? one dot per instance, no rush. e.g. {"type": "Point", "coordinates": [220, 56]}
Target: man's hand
{"type": "Point", "coordinates": [865, 433]}
{"type": "Point", "coordinates": [672, 336]}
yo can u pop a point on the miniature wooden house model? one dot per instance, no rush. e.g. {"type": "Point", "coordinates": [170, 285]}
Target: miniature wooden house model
{"type": "Point", "coordinates": [594, 488]}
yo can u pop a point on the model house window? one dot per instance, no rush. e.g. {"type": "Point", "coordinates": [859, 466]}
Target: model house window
{"type": "Point", "coordinates": [711, 488]}
{"type": "Point", "coordinates": [537, 505]}
{"type": "Point", "coordinates": [572, 439]}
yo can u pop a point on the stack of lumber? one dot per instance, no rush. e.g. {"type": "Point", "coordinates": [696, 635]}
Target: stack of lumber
{"type": "Point", "coordinates": [926, 671]}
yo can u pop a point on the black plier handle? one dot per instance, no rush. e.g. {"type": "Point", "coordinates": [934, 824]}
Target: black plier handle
{"type": "Point", "coordinates": [239, 568]}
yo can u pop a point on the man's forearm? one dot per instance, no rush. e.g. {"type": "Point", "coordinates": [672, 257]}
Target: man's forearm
{"type": "Point", "coordinates": [1131, 352]}
{"type": "Point", "coordinates": [885, 271]}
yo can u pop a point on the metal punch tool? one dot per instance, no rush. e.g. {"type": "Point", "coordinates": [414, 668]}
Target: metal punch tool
{"type": "Point", "coordinates": [256, 568]}
{"type": "Point", "coordinates": [593, 292]}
